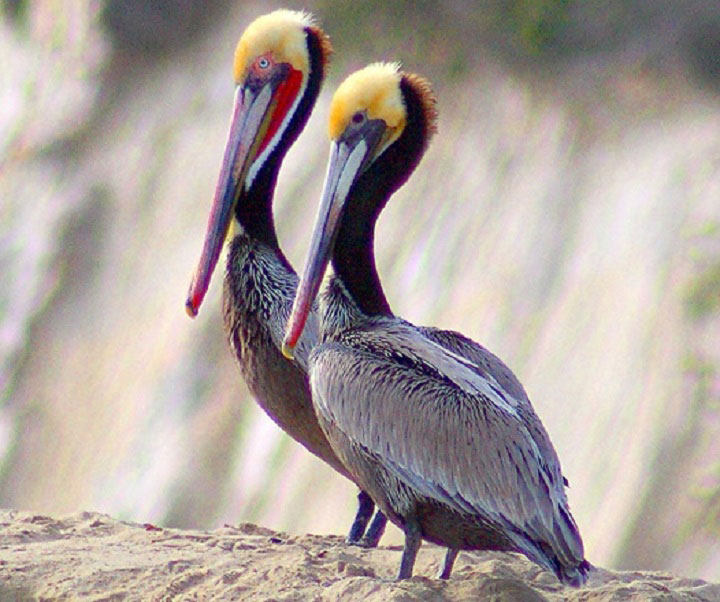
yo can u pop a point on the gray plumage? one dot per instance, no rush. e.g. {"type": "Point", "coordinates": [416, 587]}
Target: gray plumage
{"type": "Point", "coordinates": [433, 426]}
{"type": "Point", "coordinates": [444, 435]}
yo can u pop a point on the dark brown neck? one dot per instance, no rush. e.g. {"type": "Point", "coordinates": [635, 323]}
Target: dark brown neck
{"type": "Point", "coordinates": [353, 258]}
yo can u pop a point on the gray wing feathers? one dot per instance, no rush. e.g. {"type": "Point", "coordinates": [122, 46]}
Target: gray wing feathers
{"type": "Point", "coordinates": [486, 363]}
{"type": "Point", "coordinates": [489, 366]}
{"type": "Point", "coordinates": [458, 442]}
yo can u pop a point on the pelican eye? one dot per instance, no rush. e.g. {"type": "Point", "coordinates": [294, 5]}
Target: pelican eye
{"type": "Point", "coordinates": [263, 62]}
{"type": "Point", "coordinates": [358, 117]}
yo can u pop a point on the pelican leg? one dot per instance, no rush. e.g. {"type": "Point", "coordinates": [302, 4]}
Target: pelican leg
{"type": "Point", "coordinates": [413, 540]}
{"type": "Point", "coordinates": [447, 567]}
{"type": "Point", "coordinates": [375, 531]}
{"type": "Point", "coordinates": [365, 511]}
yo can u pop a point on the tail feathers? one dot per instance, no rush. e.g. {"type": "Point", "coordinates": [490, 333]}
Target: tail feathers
{"type": "Point", "coordinates": [573, 573]}
{"type": "Point", "coordinates": [562, 546]}
{"type": "Point", "coordinates": [574, 576]}
{"type": "Point", "coordinates": [557, 548]}
{"type": "Point", "coordinates": [568, 556]}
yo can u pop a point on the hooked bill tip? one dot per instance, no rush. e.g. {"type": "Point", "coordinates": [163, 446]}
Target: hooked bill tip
{"type": "Point", "coordinates": [190, 308]}
{"type": "Point", "coordinates": [288, 350]}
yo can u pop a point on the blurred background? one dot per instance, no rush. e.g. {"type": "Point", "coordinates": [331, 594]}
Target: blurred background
{"type": "Point", "coordinates": [567, 216]}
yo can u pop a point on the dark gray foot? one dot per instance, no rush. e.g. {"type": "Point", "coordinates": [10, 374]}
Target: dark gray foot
{"type": "Point", "coordinates": [375, 531]}
{"type": "Point", "coordinates": [365, 510]}
{"type": "Point", "coordinates": [412, 545]}
{"type": "Point", "coordinates": [447, 566]}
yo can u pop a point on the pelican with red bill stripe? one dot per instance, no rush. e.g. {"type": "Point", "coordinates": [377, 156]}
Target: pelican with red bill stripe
{"type": "Point", "coordinates": [271, 70]}
{"type": "Point", "coordinates": [280, 64]}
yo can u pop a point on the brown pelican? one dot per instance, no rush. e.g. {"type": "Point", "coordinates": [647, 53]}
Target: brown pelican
{"type": "Point", "coordinates": [433, 426]}
{"type": "Point", "coordinates": [279, 67]}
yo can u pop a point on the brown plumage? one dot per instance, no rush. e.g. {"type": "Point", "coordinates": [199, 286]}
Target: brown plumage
{"type": "Point", "coordinates": [279, 67]}
{"type": "Point", "coordinates": [433, 426]}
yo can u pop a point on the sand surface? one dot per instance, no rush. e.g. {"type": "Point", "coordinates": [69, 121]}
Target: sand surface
{"type": "Point", "coordinates": [90, 556]}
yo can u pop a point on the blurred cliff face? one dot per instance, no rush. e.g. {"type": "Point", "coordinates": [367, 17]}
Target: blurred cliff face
{"type": "Point", "coordinates": [566, 216]}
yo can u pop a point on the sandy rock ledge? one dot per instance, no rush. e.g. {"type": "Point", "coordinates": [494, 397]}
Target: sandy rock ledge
{"type": "Point", "coordinates": [90, 556]}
